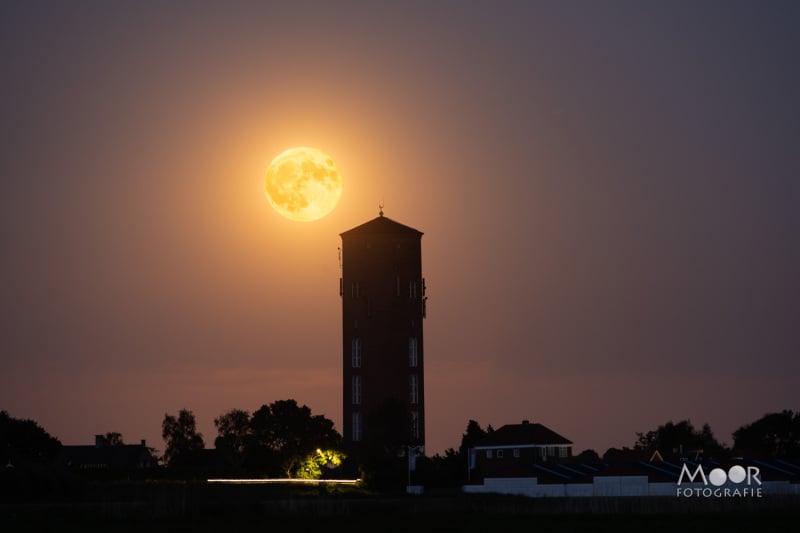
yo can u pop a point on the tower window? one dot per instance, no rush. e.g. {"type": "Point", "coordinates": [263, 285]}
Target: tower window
{"type": "Point", "coordinates": [356, 427]}
{"type": "Point", "coordinates": [355, 352]}
{"type": "Point", "coordinates": [412, 352]}
{"type": "Point", "coordinates": [413, 389]}
{"type": "Point", "coordinates": [414, 425]}
{"type": "Point", "coordinates": [356, 390]}
{"type": "Point", "coordinates": [355, 289]}
{"type": "Point", "coordinates": [412, 289]}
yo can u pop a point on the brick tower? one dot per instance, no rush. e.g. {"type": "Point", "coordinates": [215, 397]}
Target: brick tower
{"type": "Point", "coordinates": [383, 306]}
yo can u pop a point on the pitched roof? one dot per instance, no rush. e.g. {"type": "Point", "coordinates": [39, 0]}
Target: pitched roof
{"type": "Point", "coordinates": [381, 224]}
{"type": "Point", "coordinates": [120, 456]}
{"type": "Point", "coordinates": [522, 434]}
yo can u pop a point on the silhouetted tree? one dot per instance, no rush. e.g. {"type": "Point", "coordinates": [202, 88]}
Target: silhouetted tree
{"type": "Point", "coordinates": [587, 456]}
{"type": "Point", "coordinates": [181, 437]}
{"type": "Point", "coordinates": [473, 434]}
{"type": "Point", "coordinates": [233, 430]}
{"type": "Point", "coordinates": [772, 435]}
{"type": "Point", "coordinates": [24, 441]}
{"type": "Point", "coordinates": [440, 471]}
{"type": "Point", "coordinates": [681, 436]}
{"type": "Point", "coordinates": [233, 434]}
{"type": "Point", "coordinates": [283, 435]}
{"type": "Point", "coordinates": [113, 438]}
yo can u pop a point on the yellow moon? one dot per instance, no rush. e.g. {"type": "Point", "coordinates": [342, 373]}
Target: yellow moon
{"type": "Point", "coordinates": [303, 184]}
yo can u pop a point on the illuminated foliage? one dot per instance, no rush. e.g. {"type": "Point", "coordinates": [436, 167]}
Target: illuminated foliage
{"type": "Point", "coordinates": [279, 439]}
{"type": "Point", "coordinates": [313, 466]}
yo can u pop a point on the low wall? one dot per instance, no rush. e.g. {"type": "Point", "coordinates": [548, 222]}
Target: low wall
{"type": "Point", "coordinates": [612, 486]}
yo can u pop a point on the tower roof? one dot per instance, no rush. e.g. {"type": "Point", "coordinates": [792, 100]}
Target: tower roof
{"type": "Point", "coordinates": [381, 224]}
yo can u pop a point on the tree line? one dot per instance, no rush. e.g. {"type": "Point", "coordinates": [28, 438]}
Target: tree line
{"type": "Point", "coordinates": [284, 439]}
{"type": "Point", "coordinates": [281, 439]}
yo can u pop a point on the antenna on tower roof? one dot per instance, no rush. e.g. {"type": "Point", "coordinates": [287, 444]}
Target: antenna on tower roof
{"type": "Point", "coordinates": [380, 208]}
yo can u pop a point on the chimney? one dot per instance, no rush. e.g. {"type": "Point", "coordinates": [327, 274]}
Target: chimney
{"type": "Point", "coordinates": [99, 441]}
{"type": "Point", "coordinates": [143, 444]}
{"type": "Point", "coordinates": [525, 422]}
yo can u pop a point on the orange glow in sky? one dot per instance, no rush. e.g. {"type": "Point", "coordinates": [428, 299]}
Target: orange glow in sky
{"type": "Point", "coordinates": [608, 197]}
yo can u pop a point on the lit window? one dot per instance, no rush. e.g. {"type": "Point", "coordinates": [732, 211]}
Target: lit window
{"type": "Point", "coordinates": [356, 390]}
{"type": "Point", "coordinates": [412, 352]}
{"type": "Point", "coordinates": [355, 351]}
{"type": "Point", "coordinates": [356, 427]}
{"type": "Point", "coordinates": [413, 391]}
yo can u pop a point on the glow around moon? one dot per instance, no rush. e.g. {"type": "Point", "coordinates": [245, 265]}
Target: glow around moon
{"type": "Point", "coordinates": [303, 184]}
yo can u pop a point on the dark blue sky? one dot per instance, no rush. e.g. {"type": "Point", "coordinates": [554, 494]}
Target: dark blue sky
{"type": "Point", "coordinates": [608, 193]}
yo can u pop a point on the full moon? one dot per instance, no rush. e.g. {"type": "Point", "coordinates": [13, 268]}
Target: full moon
{"type": "Point", "coordinates": [303, 184]}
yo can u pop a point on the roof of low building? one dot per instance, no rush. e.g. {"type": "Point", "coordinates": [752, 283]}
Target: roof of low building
{"type": "Point", "coordinates": [114, 457]}
{"type": "Point", "coordinates": [523, 434]}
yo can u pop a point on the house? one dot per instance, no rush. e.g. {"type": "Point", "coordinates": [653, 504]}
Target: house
{"type": "Point", "coordinates": [628, 473]}
{"type": "Point", "coordinates": [107, 456]}
{"type": "Point", "coordinates": [518, 450]}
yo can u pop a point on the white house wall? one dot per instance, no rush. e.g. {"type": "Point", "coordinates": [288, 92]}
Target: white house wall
{"type": "Point", "coordinates": [606, 486]}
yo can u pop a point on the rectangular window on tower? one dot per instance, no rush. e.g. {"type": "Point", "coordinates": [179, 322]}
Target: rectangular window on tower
{"type": "Point", "coordinates": [412, 289]}
{"type": "Point", "coordinates": [356, 390]}
{"type": "Point", "coordinates": [414, 425]}
{"type": "Point", "coordinates": [356, 427]}
{"type": "Point", "coordinates": [355, 350]}
{"type": "Point", "coordinates": [412, 352]}
{"type": "Point", "coordinates": [413, 390]}
{"type": "Point", "coordinates": [355, 289]}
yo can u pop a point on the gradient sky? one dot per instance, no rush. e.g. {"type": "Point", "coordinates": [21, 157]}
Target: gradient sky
{"type": "Point", "coordinates": [609, 194]}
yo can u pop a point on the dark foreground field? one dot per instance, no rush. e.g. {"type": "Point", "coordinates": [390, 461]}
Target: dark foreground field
{"type": "Point", "coordinates": [466, 522]}
{"type": "Point", "coordinates": [197, 507]}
